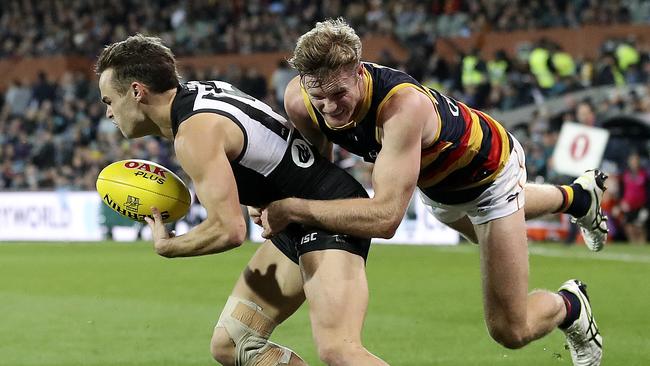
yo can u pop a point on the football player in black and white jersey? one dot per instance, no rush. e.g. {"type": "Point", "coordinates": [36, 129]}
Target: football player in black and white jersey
{"type": "Point", "coordinates": [238, 151]}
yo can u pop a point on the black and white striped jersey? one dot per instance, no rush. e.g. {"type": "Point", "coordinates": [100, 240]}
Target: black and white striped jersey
{"type": "Point", "coordinates": [276, 162]}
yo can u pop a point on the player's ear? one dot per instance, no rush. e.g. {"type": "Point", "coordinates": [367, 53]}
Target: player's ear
{"type": "Point", "coordinates": [138, 90]}
{"type": "Point", "coordinates": [359, 70]}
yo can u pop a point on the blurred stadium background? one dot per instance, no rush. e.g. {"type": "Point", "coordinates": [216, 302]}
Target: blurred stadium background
{"type": "Point", "coordinates": [536, 66]}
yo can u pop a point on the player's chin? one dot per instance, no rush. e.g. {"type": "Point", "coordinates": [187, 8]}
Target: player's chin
{"type": "Point", "coordinates": [339, 118]}
{"type": "Point", "coordinates": [133, 133]}
{"type": "Point", "coordinates": [123, 131]}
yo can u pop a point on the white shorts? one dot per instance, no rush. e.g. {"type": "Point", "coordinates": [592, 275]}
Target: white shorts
{"type": "Point", "coordinates": [503, 197]}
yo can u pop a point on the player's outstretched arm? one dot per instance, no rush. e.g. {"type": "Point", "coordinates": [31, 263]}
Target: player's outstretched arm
{"type": "Point", "coordinates": [202, 148]}
{"type": "Point", "coordinates": [394, 179]}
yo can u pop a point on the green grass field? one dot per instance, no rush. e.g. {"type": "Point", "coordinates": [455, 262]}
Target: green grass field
{"type": "Point", "coordinates": [121, 304]}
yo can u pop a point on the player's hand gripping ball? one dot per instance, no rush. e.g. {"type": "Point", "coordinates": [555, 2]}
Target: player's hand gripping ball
{"type": "Point", "coordinates": [132, 187]}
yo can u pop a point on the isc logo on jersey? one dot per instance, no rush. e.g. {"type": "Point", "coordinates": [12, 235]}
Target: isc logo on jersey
{"type": "Point", "coordinates": [301, 153]}
{"type": "Point", "coordinates": [132, 187]}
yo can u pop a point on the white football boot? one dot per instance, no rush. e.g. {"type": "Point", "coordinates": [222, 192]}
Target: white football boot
{"type": "Point", "coordinates": [593, 224]}
{"type": "Point", "coordinates": [583, 337]}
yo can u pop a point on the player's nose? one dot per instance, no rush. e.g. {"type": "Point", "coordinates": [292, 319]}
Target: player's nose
{"type": "Point", "coordinates": [329, 106]}
{"type": "Point", "coordinates": [109, 113]}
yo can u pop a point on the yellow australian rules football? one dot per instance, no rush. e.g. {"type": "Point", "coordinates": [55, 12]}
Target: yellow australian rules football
{"type": "Point", "coordinates": [132, 187]}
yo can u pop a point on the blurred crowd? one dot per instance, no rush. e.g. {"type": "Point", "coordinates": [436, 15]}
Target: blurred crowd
{"type": "Point", "coordinates": [539, 70]}
{"type": "Point", "coordinates": [82, 27]}
{"type": "Point", "coordinates": [48, 27]}
{"type": "Point", "coordinates": [54, 134]}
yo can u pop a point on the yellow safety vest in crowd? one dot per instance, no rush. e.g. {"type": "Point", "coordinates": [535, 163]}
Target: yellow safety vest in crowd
{"type": "Point", "coordinates": [563, 63]}
{"type": "Point", "coordinates": [626, 56]}
{"type": "Point", "coordinates": [470, 75]}
{"type": "Point", "coordinates": [497, 71]}
{"type": "Point", "coordinates": [618, 76]}
{"type": "Point", "coordinates": [538, 61]}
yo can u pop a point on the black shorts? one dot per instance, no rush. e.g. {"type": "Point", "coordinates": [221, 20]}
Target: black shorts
{"type": "Point", "coordinates": [297, 240]}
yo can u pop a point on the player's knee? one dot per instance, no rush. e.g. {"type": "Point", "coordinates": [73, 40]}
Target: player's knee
{"type": "Point", "coordinates": [242, 337]}
{"type": "Point", "coordinates": [511, 336]}
{"type": "Point", "coordinates": [222, 347]}
{"type": "Point", "coordinates": [331, 355]}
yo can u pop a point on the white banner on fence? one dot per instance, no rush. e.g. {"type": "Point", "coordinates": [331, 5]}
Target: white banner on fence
{"type": "Point", "coordinates": [49, 216]}
{"type": "Point", "coordinates": [75, 216]}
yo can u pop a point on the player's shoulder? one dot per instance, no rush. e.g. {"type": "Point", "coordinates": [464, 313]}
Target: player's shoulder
{"type": "Point", "coordinates": [411, 99]}
{"type": "Point", "coordinates": [294, 102]}
{"type": "Point", "coordinates": [193, 102]}
{"type": "Point", "coordinates": [204, 136]}
{"type": "Point", "coordinates": [198, 130]}
{"type": "Point", "coordinates": [408, 106]}
{"type": "Point", "coordinates": [293, 92]}
{"type": "Point", "coordinates": [205, 127]}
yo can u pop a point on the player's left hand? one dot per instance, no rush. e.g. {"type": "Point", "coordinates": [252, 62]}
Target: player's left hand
{"type": "Point", "coordinates": [159, 232]}
{"type": "Point", "coordinates": [274, 219]}
{"type": "Point", "coordinates": [255, 214]}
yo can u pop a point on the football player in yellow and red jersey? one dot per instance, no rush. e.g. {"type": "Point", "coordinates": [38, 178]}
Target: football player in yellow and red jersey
{"type": "Point", "coordinates": [469, 170]}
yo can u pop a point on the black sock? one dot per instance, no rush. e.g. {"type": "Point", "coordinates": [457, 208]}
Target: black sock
{"type": "Point", "coordinates": [575, 200]}
{"type": "Point", "coordinates": [572, 304]}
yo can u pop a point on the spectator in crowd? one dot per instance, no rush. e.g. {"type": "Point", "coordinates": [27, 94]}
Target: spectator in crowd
{"type": "Point", "coordinates": [539, 61]}
{"type": "Point", "coordinates": [608, 72]}
{"type": "Point", "coordinates": [627, 55]}
{"type": "Point", "coordinates": [475, 80]}
{"type": "Point", "coordinates": [43, 90]}
{"type": "Point", "coordinates": [564, 70]}
{"type": "Point", "coordinates": [585, 114]}
{"type": "Point", "coordinates": [498, 68]}
{"type": "Point", "coordinates": [17, 99]}
{"type": "Point", "coordinates": [634, 201]}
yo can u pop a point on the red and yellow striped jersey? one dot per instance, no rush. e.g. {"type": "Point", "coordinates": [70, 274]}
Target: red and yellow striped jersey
{"type": "Point", "coordinates": [469, 151]}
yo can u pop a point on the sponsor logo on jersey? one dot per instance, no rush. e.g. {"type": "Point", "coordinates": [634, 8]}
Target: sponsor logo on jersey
{"type": "Point", "coordinates": [301, 153]}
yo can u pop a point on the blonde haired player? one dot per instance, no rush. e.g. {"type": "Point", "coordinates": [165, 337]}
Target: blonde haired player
{"type": "Point", "coordinates": [468, 169]}
{"type": "Point", "coordinates": [238, 150]}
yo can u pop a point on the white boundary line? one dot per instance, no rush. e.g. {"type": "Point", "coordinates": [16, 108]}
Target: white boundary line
{"type": "Point", "coordinates": [562, 253]}
{"type": "Point", "coordinates": [604, 256]}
